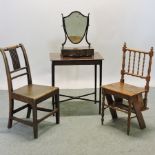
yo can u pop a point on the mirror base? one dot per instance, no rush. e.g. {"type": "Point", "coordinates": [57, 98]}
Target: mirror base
{"type": "Point", "coordinates": [77, 52]}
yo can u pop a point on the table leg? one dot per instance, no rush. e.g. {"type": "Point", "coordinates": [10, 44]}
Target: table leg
{"type": "Point", "coordinates": [95, 82]}
{"type": "Point", "coordinates": [53, 74]}
{"type": "Point", "coordinates": [53, 80]}
{"type": "Point", "coordinates": [100, 84]}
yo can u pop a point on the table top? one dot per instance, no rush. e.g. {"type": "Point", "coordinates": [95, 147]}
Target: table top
{"type": "Point", "coordinates": [59, 57]}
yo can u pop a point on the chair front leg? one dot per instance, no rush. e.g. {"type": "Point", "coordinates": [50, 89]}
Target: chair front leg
{"type": "Point", "coordinates": [35, 123]}
{"type": "Point", "coordinates": [129, 116]}
{"type": "Point", "coordinates": [11, 107]}
{"type": "Point", "coordinates": [103, 105]}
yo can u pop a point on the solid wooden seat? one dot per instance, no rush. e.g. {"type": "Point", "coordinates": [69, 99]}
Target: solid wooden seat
{"type": "Point", "coordinates": [123, 89]}
{"type": "Point", "coordinates": [115, 93]}
{"type": "Point", "coordinates": [31, 94]}
{"type": "Point", "coordinates": [34, 92]}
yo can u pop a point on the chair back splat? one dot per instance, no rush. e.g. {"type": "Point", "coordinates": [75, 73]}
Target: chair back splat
{"type": "Point", "coordinates": [12, 53]}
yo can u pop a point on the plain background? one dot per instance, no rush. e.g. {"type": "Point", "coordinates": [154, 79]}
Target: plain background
{"type": "Point", "coordinates": [38, 25]}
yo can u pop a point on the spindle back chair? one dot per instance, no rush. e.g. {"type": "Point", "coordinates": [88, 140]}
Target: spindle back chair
{"type": "Point", "coordinates": [135, 63]}
{"type": "Point", "coordinates": [144, 62]}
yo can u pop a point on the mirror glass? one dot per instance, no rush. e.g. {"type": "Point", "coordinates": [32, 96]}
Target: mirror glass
{"type": "Point", "coordinates": [75, 26]}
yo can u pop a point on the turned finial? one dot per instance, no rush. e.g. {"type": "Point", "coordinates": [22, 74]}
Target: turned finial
{"type": "Point", "coordinates": [124, 47]}
{"type": "Point", "coordinates": [151, 51]}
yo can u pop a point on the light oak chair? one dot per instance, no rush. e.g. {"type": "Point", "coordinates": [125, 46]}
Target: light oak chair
{"type": "Point", "coordinates": [135, 63]}
{"type": "Point", "coordinates": [31, 94]}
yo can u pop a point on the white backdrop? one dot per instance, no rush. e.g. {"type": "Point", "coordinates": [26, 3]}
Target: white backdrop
{"type": "Point", "coordinates": [38, 25]}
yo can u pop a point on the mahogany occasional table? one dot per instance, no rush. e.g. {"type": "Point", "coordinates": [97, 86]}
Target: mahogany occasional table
{"type": "Point", "coordinates": [96, 60]}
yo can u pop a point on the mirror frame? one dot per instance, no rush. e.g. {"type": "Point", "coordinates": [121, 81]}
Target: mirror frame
{"type": "Point", "coordinates": [65, 31]}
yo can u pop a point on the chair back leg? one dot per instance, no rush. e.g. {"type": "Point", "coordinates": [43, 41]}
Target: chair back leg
{"type": "Point", "coordinates": [11, 107]}
{"type": "Point", "coordinates": [28, 111]}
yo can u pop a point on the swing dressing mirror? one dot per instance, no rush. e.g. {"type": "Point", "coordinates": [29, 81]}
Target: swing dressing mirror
{"type": "Point", "coordinates": [75, 27]}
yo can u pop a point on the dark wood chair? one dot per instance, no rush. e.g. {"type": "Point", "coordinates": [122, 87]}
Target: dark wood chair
{"type": "Point", "coordinates": [138, 64]}
{"type": "Point", "coordinates": [31, 94]}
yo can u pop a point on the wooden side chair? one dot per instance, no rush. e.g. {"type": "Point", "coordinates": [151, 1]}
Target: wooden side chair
{"type": "Point", "coordinates": [138, 64]}
{"type": "Point", "coordinates": [31, 94]}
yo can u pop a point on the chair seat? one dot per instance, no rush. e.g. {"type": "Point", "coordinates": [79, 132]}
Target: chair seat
{"type": "Point", "coordinates": [123, 88]}
{"type": "Point", "coordinates": [31, 93]}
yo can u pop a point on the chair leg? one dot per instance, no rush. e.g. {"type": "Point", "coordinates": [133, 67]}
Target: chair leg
{"type": "Point", "coordinates": [137, 108]}
{"type": "Point", "coordinates": [28, 111]}
{"type": "Point", "coordinates": [53, 101]}
{"type": "Point", "coordinates": [129, 117]}
{"type": "Point", "coordinates": [112, 111]}
{"type": "Point", "coordinates": [53, 104]}
{"type": "Point", "coordinates": [11, 107]}
{"type": "Point", "coordinates": [57, 106]}
{"type": "Point", "coordinates": [118, 99]}
{"type": "Point", "coordinates": [102, 112]}
{"type": "Point", "coordinates": [35, 123]}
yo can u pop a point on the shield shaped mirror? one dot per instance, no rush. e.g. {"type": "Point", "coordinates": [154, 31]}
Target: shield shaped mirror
{"type": "Point", "coordinates": [75, 26]}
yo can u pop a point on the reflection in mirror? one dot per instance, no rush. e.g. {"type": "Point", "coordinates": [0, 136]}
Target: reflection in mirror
{"type": "Point", "coordinates": [75, 27]}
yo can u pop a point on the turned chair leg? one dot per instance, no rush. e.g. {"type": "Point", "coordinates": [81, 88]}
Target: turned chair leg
{"type": "Point", "coordinates": [129, 118]}
{"type": "Point", "coordinates": [11, 107]}
{"type": "Point", "coordinates": [28, 111]}
{"type": "Point", "coordinates": [57, 106]}
{"type": "Point", "coordinates": [35, 123]}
